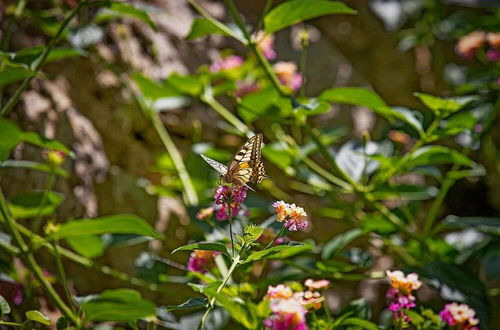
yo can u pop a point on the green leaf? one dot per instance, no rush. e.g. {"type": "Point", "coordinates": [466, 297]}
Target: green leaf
{"type": "Point", "coordinates": [258, 255]}
{"type": "Point", "coordinates": [358, 323]}
{"type": "Point", "coordinates": [10, 136]}
{"type": "Point", "coordinates": [432, 155]}
{"type": "Point", "coordinates": [252, 233]}
{"type": "Point", "coordinates": [120, 224]}
{"type": "Point", "coordinates": [355, 96]}
{"type": "Point", "coordinates": [62, 323]}
{"type": "Point", "coordinates": [186, 84]}
{"type": "Point", "coordinates": [209, 246]}
{"type": "Point", "coordinates": [43, 142]}
{"type": "Point", "coordinates": [191, 303]}
{"type": "Point", "coordinates": [202, 27]}
{"type": "Point", "coordinates": [12, 74]}
{"type": "Point", "coordinates": [4, 306]}
{"type": "Point", "coordinates": [151, 89]}
{"type": "Point", "coordinates": [120, 305]}
{"type": "Point", "coordinates": [129, 10]}
{"type": "Point", "coordinates": [405, 192]}
{"type": "Point", "coordinates": [29, 55]}
{"type": "Point", "coordinates": [440, 105]}
{"type": "Point", "coordinates": [296, 11]}
{"type": "Point", "coordinates": [37, 316]}
{"type": "Point", "coordinates": [336, 244]}
{"type": "Point", "coordinates": [33, 166]}
{"type": "Point", "coordinates": [89, 246]}
{"type": "Point", "coordinates": [28, 205]}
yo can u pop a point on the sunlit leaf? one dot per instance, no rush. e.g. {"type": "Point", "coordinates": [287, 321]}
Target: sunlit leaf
{"type": "Point", "coordinates": [202, 27]}
{"type": "Point", "coordinates": [132, 11]}
{"type": "Point", "coordinates": [4, 306]}
{"type": "Point", "coordinates": [190, 304]}
{"type": "Point", "coordinates": [203, 246]}
{"type": "Point", "coordinates": [12, 74]}
{"type": "Point", "coordinates": [444, 105]}
{"type": "Point", "coordinates": [89, 246]}
{"type": "Point", "coordinates": [432, 155]}
{"type": "Point", "coordinates": [38, 317]}
{"type": "Point", "coordinates": [121, 223]}
{"type": "Point", "coordinates": [29, 205]}
{"type": "Point", "coordinates": [296, 11]}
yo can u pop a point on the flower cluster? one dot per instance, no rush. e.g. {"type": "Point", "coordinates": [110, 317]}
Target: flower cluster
{"type": "Point", "coordinates": [201, 261]}
{"type": "Point", "coordinates": [400, 293]}
{"type": "Point", "coordinates": [229, 196]}
{"type": "Point", "coordinates": [265, 43]}
{"type": "Point", "coordinates": [460, 315]}
{"type": "Point", "coordinates": [289, 308]}
{"type": "Point", "coordinates": [293, 215]}
{"type": "Point", "coordinates": [469, 44]}
{"type": "Point", "coordinates": [227, 63]}
{"type": "Point", "coordinates": [288, 75]}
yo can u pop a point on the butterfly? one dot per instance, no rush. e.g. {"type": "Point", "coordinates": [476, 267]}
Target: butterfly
{"type": "Point", "coordinates": [246, 165]}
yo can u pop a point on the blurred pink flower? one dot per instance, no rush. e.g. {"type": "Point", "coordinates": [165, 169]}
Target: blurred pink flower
{"type": "Point", "coordinates": [459, 315]}
{"type": "Point", "coordinates": [470, 43]}
{"type": "Point", "coordinates": [400, 293]}
{"type": "Point", "coordinates": [11, 290]}
{"type": "Point", "coordinates": [288, 75]}
{"type": "Point", "coordinates": [243, 88]}
{"type": "Point", "coordinates": [229, 196]}
{"type": "Point", "coordinates": [205, 213]}
{"type": "Point", "coordinates": [279, 291]}
{"type": "Point", "coordinates": [201, 260]}
{"type": "Point", "coordinates": [288, 314]}
{"type": "Point", "coordinates": [493, 55]}
{"type": "Point", "coordinates": [265, 43]}
{"type": "Point", "coordinates": [316, 285]}
{"type": "Point", "coordinates": [227, 63]}
{"type": "Point", "coordinates": [493, 39]}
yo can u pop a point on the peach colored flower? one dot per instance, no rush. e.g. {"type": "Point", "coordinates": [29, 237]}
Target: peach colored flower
{"type": "Point", "coordinates": [470, 43]}
{"type": "Point", "coordinates": [280, 291]}
{"type": "Point", "coordinates": [459, 315]}
{"type": "Point", "coordinates": [493, 39]}
{"type": "Point", "coordinates": [293, 215]}
{"type": "Point", "coordinates": [288, 75]}
{"type": "Point", "coordinates": [402, 283]}
{"type": "Point", "coordinates": [205, 213]}
{"type": "Point", "coordinates": [316, 285]}
{"type": "Point", "coordinates": [265, 42]}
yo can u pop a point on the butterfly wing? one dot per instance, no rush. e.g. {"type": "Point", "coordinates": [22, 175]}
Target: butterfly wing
{"type": "Point", "coordinates": [222, 169]}
{"type": "Point", "coordinates": [245, 163]}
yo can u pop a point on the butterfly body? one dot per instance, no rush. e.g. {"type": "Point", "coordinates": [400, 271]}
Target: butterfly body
{"type": "Point", "coordinates": [246, 166]}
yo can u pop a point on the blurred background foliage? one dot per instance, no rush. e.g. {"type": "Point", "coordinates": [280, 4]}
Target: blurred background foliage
{"type": "Point", "coordinates": [131, 91]}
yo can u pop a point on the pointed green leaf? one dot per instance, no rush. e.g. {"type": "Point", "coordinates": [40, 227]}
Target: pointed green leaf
{"type": "Point", "coordinates": [336, 244]}
{"type": "Point", "coordinates": [191, 303]}
{"type": "Point", "coordinates": [202, 27]}
{"type": "Point", "coordinates": [209, 246]}
{"type": "Point", "coordinates": [37, 316]}
{"type": "Point", "coordinates": [28, 205]}
{"type": "Point", "coordinates": [4, 306]}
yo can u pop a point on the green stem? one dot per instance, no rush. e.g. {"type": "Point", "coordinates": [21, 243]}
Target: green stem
{"type": "Point", "coordinates": [267, 7]}
{"type": "Point", "coordinates": [436, 204]}
{"type": "Point", "coordinates": [208, 99]}
{"type": "Point", "coordinates": [40, 61]}
{"type": "Point", "coordinates": [282, 230]}
{"type": "Point", "coordinates": [11, 324]}
{"type": "Point", "coordinates": [31, 263]}
{"type": "Point", "coordinates": [48, 188]}
{"type": "Point", "coordinates": [63, 278]}
{"type": "Point", "coordinates": [219, 289]}
{"type": "Point", "coordinates": [215, 22]}
{"type": "Point", "coordinates": [230, 220]}
{"type": "Point", "coordinates": [169, 144]}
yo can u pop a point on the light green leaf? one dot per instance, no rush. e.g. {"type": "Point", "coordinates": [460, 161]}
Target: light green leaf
{"type": "Point", "coordinates": [43, 142]}
{"type": "Point", "coordinates": [37, 316]}
{"type": "Point", "coordinates": [186, 84]}
{"type": "Point", "coordinates": [202, 27]}
{"type": "Point", "coordinates": [89, 246]}
{"type": "Point", "coordinates": [296, 11]}
{"type": "Point", "coordinates": [431, 155]}
{"type": "Point", "coordinates": [209, 246]}
{"type": "Point", "coordinates": [119, 224]}
{"type": "Point", "coordinates": [120, 305]}
{"type": "Point", "coordinates": [444, 105]}
{"type": "Point", "coordinates": [11, 74]}
{"type": "Point", "coordinates": [256, 105]}
{"type": "Point", "coordinates": [10, 136]}
{"type": "Point", "coordinates": [129, 10]}
{"type": "Point", "coordinates": [29, 55]}
{"type": "Point", "coordinates": [335, 245]}
{"type": "Point", "coordinates": [272, 251]}
{"type": "Point", "coordinates": [358, 323]}
{"type": "Point", "coordinates": [4, 306]}
{"type": "Point", "coordinates": [28, 205]}
{"type": "Point", "coordinates": [151, 89]}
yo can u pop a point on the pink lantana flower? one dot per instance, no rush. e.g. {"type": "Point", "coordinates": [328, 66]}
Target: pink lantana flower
{"type": "Point", "coordinates": [460, 315]}
{"type": "Point", "coordinates": [265, 43]}
{"type": "Point", "coordinates": [288, 75]}
{"type": "Point", "coordinates": [294, 216]}
{"type": "Point", "coordinates": [470, 43]}
{"type": "Point", "coordinates": [201, 261]}
{"type": "Point", "coordinates": [229, 196]}
{"type": "Point", "coordinates": [288, 314]}
{"type": "Point", "coordinates": [400, 293]}
{"type": "Point", "coordinates": [227, 63]}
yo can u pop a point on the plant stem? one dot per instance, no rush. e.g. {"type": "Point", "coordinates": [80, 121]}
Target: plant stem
{"type": "Point", "coordinates": [48, 188]}
{"type": "Point", "coordinates": [169, 144]}
{"type": "Point", "coordinates": [208, 99]}
{"type": "Point", "coordinates": [219, 289]}
{"type": "Point", "coordinates": [276, 237]}
{"type": "Point", "coordinates": [63, 278]}
{"type": "Point", "coordinates": [436, 204]}
{"type": "Point", "coordinates": [11, 324]}
{"type": "Point", "coordinates": [40, 61]}
{"type": "Point", "coordinates": [215, 22]}
{"type": "Point", "coordinates": [230, 220]}
{"type": "Point", "coordinates": [30, 261]}
{"type": "Point", "coordinates": [267, 7]}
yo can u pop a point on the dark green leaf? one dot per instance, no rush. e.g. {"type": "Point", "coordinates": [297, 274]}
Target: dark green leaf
{"type": "Point", "coordinates": [191, 303]}
{"type": "Point", "coordinates": [10, 136]}
{"type": "Point", "coordinates": [336, 244]}
{"type": "Point", "coordinates": [28, 205]}
{"type": "Point", "coordinates": [486, 225]}
{"type": "Point", "coordinates": [120, 224]}
{"type": "Point", "coordinates": [62, 323]}
{"type": "Point", "coordinates": [29, 55]}
{"type": "Point", "coordinates": [202, 27]}
{"type": "Point", "coordinates": [37, 316]}
{"type": "Point", "coordinates": [89, 246]}
{"type": "Point", "coordinates": [405, 192]}
{"type": "Point", "coordinates": [43, 142]}
{"type": "Point", "coordinates": [432, 155]}
{"type": "Point", "coordinates": [11, 74]}
{"type": "Point", "coordinates": [4, 306]}
{"type": "Point", "coordinates": [358, 323]}
{"type": "Point", "coordinates": [203, 246]}
{"type": "Point", "coordinates": [120, 305]}
{"type": "Point", "coordinates": [296, 11]}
